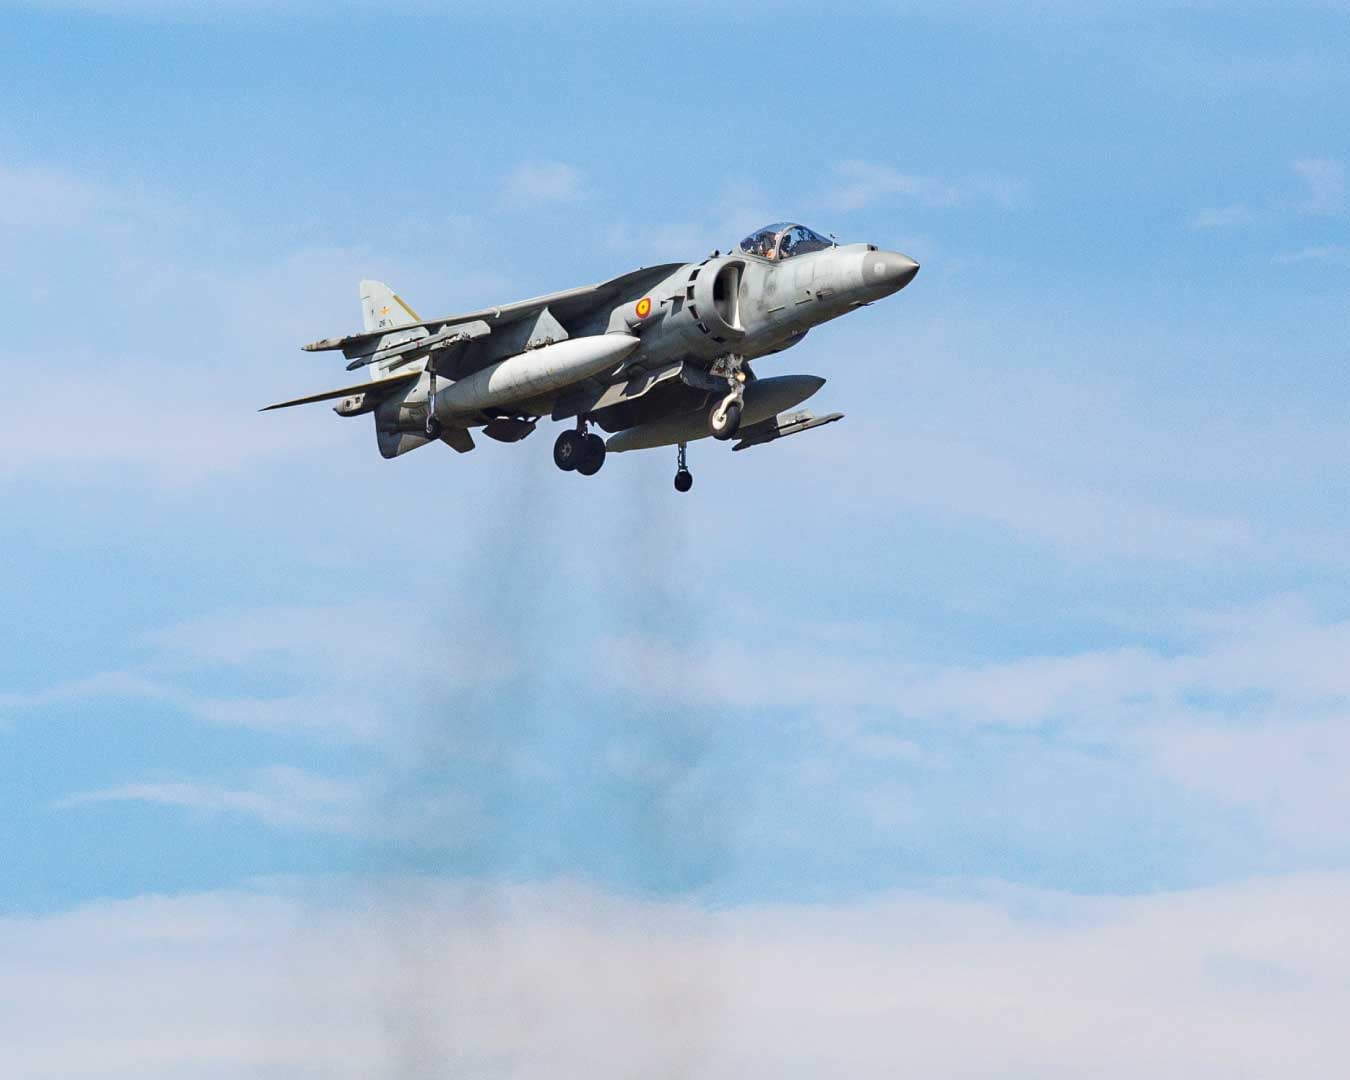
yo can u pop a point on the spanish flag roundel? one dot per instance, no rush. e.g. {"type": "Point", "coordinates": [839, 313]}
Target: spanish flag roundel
{"type": "Point", "coordinates": [644, 307]}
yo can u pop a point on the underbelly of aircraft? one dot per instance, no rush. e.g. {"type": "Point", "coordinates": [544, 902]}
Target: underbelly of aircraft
{"type": "Point", "coordinates": [669, 397]}
{"type": "Point", "coordinates": [764, 399]}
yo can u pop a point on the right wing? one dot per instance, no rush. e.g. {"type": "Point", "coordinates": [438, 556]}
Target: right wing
{"type": "Point", "coordinates": [781, 426]}
{"type": "Point", "coordinates": [564, 305]}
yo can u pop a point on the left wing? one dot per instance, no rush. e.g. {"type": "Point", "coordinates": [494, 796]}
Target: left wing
{"type": "Point", "coordinates": [377, 387]}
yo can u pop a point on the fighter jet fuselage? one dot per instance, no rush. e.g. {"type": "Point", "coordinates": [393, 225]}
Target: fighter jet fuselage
{"type": "Point", "coordinates": [657, 357]}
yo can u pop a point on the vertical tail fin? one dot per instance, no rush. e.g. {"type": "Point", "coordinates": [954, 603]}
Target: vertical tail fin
{"type": "Point", "coordinates": [384, 309]}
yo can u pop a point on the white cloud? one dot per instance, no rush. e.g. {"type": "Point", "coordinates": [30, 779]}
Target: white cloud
{"type": "Point", "coordinates": [169, 344]}
{"type": "Point", "coordinates": [328, 713]}
{"type": "Point", "coordinates": [1291, 770]}
{"type": "Point", "coordinates": [176, 404]}
{"type": "Point", "coordinates": [1232, 216]}
{"type": "Point", "coordinates": [739, 205]}
{"type": "Point", "coordinates": [975, 477]}
{"type": "Point", "coordinates": [1275, 659]}
{"type": "Point", "coordinates": [858, 184]}
{"type": "Point", "coordinates": [1325, 196]}
{"type": "Point", "coordinates": [108, 684]}
{"type": "Point", "coordinates": [285, 797]}
{"type": "Point", "coordinates": [33, 196]}
{"type": "Point", "coordinates": [326, 638]}
{"type": "Point", "coordinates": [280, 796]}
{"type": "Point", "coordinates": [1325, 182]}
{"type": "Point", "coordinates": [1251, 709]}
{"type": "Point", "coordinates": [56, 199]}
{"type": "Point", "coordinates": [535, 182]}
{"type": "Point", "coordinates": [1326, 254]}
{"type": "Point", "coordinates": [354, 667]}
{"type": "Point", "coordinates": [560, 981]}
{"type": "Point", "coordinates": [127, 417]}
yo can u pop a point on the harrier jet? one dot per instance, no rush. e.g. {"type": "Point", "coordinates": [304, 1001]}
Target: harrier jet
{"type": "Point", "coordinates": [657, 357]}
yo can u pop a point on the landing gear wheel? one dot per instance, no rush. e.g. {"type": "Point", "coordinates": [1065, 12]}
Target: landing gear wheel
{"type": "Point", "coordinates": [569, 451]}
{"type": "Point", "coordinates": [684, 479]}
{"type": "Point", "coordinates": [724, 420]}
{"type": "Point", "coordinates": [593, 455]}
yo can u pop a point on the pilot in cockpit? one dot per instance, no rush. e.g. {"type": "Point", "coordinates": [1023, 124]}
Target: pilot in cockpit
{"type": "Point", "coordinates": [783, 241]}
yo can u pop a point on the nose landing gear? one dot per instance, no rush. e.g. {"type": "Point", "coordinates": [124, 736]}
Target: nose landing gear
{"type": "Point", "coordinates": [724, 419]}
{"type": "Point", "coordinates": [684, 479]}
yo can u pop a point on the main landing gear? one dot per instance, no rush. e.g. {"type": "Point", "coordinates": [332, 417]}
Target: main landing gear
{"type": "Point", "coordinates": [724, 418]}
{"type": "Point", "coordinates": [579, 451]}
{"type": "Point", "coordinates": [684, 479]}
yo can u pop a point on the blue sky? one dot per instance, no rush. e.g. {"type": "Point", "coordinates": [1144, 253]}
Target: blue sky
{"type": "Point", "coordinates": [1041, 659]}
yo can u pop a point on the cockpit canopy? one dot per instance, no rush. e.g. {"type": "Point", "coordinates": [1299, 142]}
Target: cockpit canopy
{"type": "Point", "coordinates": [783, 240]}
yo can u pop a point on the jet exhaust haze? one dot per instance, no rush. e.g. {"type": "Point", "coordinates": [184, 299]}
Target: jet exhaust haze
{"type": "Point", "coordinates": [650, 823]}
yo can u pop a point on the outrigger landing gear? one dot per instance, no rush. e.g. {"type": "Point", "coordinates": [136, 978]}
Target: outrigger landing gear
{"type": "Point", "coordinates": [684, 479]}
{"type": "Point", "coordinates": [724, 419]}
{"type": "Point", "coordinates": [434, 426]}
{"type": "Point", "coordinates": [579, 451]}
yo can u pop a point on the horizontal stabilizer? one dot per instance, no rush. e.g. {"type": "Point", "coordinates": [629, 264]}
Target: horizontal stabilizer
{"type": "Point", "coordinates": [376, 386]}
{"type": "Point", "coordinates": [783, 425]}
{"type": "Point", "coordinates": [397, 443]}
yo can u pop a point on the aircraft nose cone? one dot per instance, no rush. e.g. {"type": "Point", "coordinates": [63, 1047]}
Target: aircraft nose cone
{"type": "Point", "coordinates": [888, 271]}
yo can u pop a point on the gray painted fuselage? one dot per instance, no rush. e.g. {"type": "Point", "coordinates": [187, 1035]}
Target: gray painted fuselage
{"type": "Point", "coordinates": [657, 356]}
{"type": "Point", "coordinates": [738, 303]}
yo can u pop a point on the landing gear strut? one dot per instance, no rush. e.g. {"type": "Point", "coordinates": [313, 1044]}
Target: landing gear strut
{"type": "Point", "coordinates": [434, 426]}
{"type": "Point", "coordinates": [684, 479]}
{"type": "Point", "coordinates": [724, 418]}
{"type": "Point", "coordinates": [579, 451]}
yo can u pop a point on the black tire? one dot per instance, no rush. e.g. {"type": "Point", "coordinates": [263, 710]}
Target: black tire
{"type": "Point", "coordinates": [569, 451]}
{"type": "Point", "coordinates": [593, 456]}
{"type": "Point", "coordinates": [731, 421]}
{"type": "Point", "coordinates": [684, 480]}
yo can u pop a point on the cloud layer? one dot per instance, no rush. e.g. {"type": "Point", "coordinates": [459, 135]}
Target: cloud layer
{"type": "Point", "coordinates": [424, 980]}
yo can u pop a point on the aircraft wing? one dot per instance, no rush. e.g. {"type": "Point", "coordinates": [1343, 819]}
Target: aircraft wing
{"type": "Point", "coordinates": [565, 304]}
{"type": "Point", "coordinates": [374, 386]}
{"type": "Point", "coordinates": [783, 425]}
